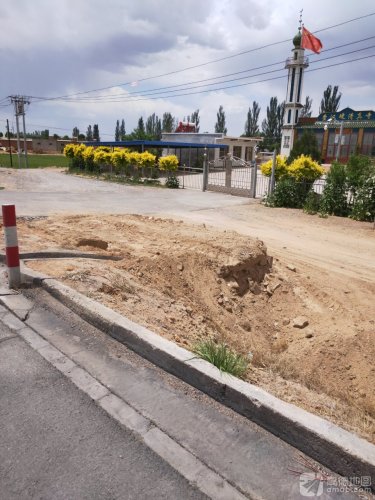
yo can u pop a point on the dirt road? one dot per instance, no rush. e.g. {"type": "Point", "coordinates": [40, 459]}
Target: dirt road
{"type": "Point", "coordinates": [171, 279]}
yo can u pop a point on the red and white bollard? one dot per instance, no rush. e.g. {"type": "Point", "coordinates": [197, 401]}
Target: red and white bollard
{"type": "Point", "coordinates": [11, 245]}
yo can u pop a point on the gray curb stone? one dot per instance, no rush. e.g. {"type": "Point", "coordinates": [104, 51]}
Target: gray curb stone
{"type": "Point", "coordinates": [334, 447]}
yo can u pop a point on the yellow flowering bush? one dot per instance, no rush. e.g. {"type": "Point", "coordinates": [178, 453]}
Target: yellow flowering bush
{"type": "Point", "coordinates": [304, 168]}
{"type": "Point", "coordinates": [169, 163]}
{"type": "Point", "coordinates": [69, 150]}
{"type": "Point", "coordinates": [135, 159]}
{"type": "Point", "coordinates": [102, 157]}
{"type": "Point", "coordinates": [280, 168]}
{"type": "Point", "coordinates": [120, 159]}
{"type": "Point", "coordinates": [148, 159]}
{"type": "Point", "coordinates": [106, 149]}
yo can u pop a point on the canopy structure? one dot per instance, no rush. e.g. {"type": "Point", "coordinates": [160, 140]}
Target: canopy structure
{"type": "Point", "coordinates": [154, 144]}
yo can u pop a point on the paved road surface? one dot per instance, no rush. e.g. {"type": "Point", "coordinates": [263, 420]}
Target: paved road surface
{"type": "Point", "coordinates": [57, 444]}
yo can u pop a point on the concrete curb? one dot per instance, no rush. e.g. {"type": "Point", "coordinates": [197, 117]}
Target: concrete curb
{"type": "Point", "coordinates": [65, 254]}
{"type": "Point", "coordinates": [341, 451]}
{"type": "Point", "coordinates": [183, 461]}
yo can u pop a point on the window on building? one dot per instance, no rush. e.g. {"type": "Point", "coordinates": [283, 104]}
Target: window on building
{"type": "Point", "coordinates": [248, 153]}
{"type": "Point", "coordinates": [237, 151]}
{"type": "Point", "coordinates": [222, 152]}
{"type": "Point", "coordinates": [289, 115]}
{"type": "Point", "coordinates": [348, 144]}
{"type": "Point", "coordinates": [368, 144]}
{"type": "Point", "coordinates": [286, 141]}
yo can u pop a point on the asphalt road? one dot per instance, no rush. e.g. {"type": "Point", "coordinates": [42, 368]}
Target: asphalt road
{"type": "Point", "coordinates": [57, 444]}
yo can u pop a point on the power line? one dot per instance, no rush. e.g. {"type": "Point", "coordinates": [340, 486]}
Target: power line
{"type": "Point", "coordinates": [150, 92]}
{"type": "Point", "coordinates": [244, 84]}
{"type": "Point", "coordinates": [228, 74]}
{"type": "Point", "coordinates": [212, 61]}
{"type": "Point", "coordinates": [170, 92]}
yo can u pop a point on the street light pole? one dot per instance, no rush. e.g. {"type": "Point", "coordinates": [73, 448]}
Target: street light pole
{"type": "Point", "coordinates": [338, 150]}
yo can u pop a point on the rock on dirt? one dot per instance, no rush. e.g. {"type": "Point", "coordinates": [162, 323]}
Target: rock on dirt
{"type": "Point", "coordinates": [103, 245]}
{"type": "Point", "coordinates": [300, 322]}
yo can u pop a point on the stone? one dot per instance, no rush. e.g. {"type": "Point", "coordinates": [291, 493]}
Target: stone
{"type": "Point", "coordinates": [291, 268]}
{"type": "Point", "coordinates": [180, 267]}
{"type": "Point", "coordinates": [286, 321]}
{"type": "Point", "coordinates": [254, 287]}
{"type": "Point", "coordinates": [300, 322]}
{"type": "Point", "coordinates": [246, 325]}
{"type": "Point", "coordinates": [309, 335]}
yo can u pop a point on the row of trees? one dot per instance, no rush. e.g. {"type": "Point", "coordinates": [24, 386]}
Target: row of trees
{"type": "Point", "coordinates": [270, 128]}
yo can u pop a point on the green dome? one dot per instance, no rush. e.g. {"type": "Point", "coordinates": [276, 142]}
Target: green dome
{"type": "Point", "coordinates": [297, 40]}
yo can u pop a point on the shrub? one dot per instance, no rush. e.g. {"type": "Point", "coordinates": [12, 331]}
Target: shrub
{"type": "Point", "coordinates": [364, 202]}
{"type": "Point", "coordinates": [102, 157]}
{"type": "Point", "coordinates": [148, 159]}
{"type": "Point", "coordinates": [304, 169]}
{"type": "Point", "coordinates": [335, 197]}
{"type": "Point", "coordinates": [75, 153]}
{"type": "Point", "coordinates": [222, 357]}
{"type": "Point", "coordinates": [312, 203]}
{"type": "Point", "coordinates": [358, 170]}
{"type": "Point", "coordinates": [120, 159]}
{"type": "Point", "coordinates": [280, 168]}
{"type": "Point", "coordinates": [169, 163]}
{"type": "Point", "coordinates": [135, 159]}
{"type": "Point", "coordinates": [288, 193]}
{"type": "Point", "coordinates": [172, 182]}
{"type": "Point", "coordinates": [88, 158]}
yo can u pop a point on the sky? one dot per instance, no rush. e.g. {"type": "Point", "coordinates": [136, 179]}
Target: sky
{"type": "Point", "coordinates": [131, 48]}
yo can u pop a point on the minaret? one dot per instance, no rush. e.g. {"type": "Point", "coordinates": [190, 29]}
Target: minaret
{"type": "Point", "coordinates": [296, 65]}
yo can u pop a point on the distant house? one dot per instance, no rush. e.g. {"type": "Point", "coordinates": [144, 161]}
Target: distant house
{"type": "Point", "coordinates": [239, 147]}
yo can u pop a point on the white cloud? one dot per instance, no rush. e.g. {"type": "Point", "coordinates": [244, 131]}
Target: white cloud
{"type": "Point", "coordinates": [68, 46]}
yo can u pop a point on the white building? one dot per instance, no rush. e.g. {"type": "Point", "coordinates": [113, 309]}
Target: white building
{"type": "Point", "coordinates": [296, 65]}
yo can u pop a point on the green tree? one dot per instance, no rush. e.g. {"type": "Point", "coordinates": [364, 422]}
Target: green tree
{"type": "Point", "coordinates": [81, 137]}
{"type": "Point", "coordinates": [331, 100]}
{"type": "Point", "coordinates": [220, 121]}
{"type": "Point", "coordinates": [272, 124]}
{"type": "Point", "coordinates": [75, 132]}
{"type": "Point", "coordinates": [168, 123]}
{"type": "Point", "coordinates": [306, 145]}
{"type": "Point", "coordinates": [153, 127]}
{"type": "Point", "coordinates": [95, 132]}
{"type": "Point", "coordinates": [117, 131]}
{"type": "Point", "coordinates": [122, 130]}
{"type": "Point", "coordinates": [141, 128]}
{"type": "Point", "coordinates": [194, 118]}
{"type": "Point", "coordinates": [89, 136]}
{"type": "Point", "coordinates": [251, 124]}
{"type": "Point", "coordinates": [306, 110]}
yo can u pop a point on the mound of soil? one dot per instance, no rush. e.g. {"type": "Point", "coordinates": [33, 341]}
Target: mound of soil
{"type": "Point", "coordinates": [309, 333]}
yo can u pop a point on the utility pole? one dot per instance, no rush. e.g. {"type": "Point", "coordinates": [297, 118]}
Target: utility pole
{"type": "Point", "coordinates": [10, 145]}
{"type": "Point", "coordinates": [19, 110]}
{"type": "Point", "coordinates": [338, 150]}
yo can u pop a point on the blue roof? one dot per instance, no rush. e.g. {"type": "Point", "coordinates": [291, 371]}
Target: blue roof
{"type": "Point", "coordinates": [154, 144]}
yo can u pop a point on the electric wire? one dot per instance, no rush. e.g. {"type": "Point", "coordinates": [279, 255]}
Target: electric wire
{"type": "Point", "coordinates": [212, 61]}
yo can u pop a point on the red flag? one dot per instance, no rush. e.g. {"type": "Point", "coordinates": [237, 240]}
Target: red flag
{"type": "Point", "coordinates": [309, 41]}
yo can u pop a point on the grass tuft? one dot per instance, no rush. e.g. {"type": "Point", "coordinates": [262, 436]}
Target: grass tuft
{"type": "Point", "coordinates": [222, 357]}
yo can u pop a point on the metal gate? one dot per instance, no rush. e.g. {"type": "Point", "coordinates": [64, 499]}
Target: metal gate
{"type": "Point", "coordinates": [227, 174]}
{"type": "Point", "coordinates": [232, 175]}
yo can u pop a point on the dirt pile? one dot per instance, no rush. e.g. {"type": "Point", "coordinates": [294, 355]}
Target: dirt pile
{"type": "Point", "coordinates": [308, 332]}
